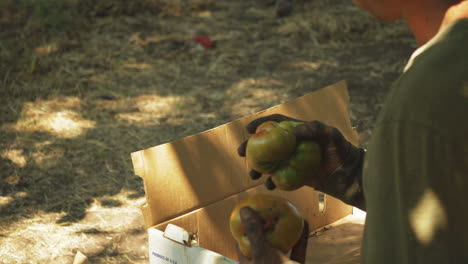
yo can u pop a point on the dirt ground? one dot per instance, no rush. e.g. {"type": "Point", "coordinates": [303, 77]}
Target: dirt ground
{"type": "Point", "coordinates": [77, 98]}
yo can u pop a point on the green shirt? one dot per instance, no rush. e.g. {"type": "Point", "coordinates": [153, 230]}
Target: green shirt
{"type": "Point", "coordinates": [415, 172]}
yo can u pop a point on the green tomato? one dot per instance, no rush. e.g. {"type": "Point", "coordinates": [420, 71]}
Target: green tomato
{"type": "Point", "coordinates": [270, 145]}
{"type": "Point", "coordinates": [290, 125]}
{"type": "Point", "coordinates": [307, 157]}
{"type": "Point", "coordinates": [294, 173]}
{"type": "Point", "coordinates": [288, 178]}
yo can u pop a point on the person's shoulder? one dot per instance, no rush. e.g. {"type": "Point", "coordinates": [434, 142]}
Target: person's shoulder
{"type": "Point", "coordinates": [452, 35]}
{"type": "Point", "coordinates": [433, 91]}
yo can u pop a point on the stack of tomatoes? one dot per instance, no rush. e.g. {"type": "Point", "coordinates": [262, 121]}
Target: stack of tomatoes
{"type": "Point", "coordinates": [274, 149]}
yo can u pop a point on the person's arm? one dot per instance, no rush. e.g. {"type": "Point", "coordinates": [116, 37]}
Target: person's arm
{"type": "Point", "coordinates": [346, 182]}
{"type": "Point", "coordinates": [343, 163]}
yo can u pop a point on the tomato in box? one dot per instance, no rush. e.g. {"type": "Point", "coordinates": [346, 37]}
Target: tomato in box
{"type": "Point", "coordinates": [282, 222]}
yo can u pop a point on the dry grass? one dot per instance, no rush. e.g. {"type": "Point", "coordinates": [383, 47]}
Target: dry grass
{"type": "Point", "coordinates": [76, 101]}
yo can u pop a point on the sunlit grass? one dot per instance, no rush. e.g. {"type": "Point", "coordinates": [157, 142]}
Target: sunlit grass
{"type": "Point", "coordinates": [311, 66]}
{"type": "Point", "coordinates": [16, 156]}
{"type": "Point", "coordinates": [155, 109]}
{"type": "Point", "coordinates": [58, 117]}
{"type": "Point", "coordinates": [138, 66]}
{"type": "Point", "coordinates": [52, 243]}
{"type": "Point", "coordinates": [47, 48]}
{"type": "Point", "coordinates": [65, 124]}
{"type": "Point", "coordinates": [163, 104]}
{"type": "Point", "coordinates": [257, 94]}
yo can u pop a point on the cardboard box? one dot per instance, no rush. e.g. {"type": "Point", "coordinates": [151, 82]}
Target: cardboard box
{"type": "Point", "coordinates": [195, 182]}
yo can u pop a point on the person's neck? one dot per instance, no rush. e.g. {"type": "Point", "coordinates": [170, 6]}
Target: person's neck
{"type": "Point", "coordinates": [427, 18]}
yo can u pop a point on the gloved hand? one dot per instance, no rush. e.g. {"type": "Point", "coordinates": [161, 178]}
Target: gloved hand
{"type": "Point", "coordinates": [341, 161]}
{"type": "Point", "coordinates": [262, 251]}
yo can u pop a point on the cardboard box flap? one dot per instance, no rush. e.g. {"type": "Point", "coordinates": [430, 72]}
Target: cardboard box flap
{"type": "Point", "coordinates": [199, 170]}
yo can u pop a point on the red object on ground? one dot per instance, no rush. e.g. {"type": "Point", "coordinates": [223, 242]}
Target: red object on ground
{"type": "Point", "coordinates": [205, 41]}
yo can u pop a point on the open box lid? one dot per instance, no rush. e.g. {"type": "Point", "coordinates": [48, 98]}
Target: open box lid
{"type": "Point", "coordinates": [194, 175]}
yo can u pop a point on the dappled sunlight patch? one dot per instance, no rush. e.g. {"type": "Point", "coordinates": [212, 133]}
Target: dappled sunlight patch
{"type": "Point", "coordinates": [204, 14]}
{"type": "Point", "coordinates": [4, 200]}
{"type": "Point", "coordinates": [166, 105]}
{"type": "Point", "coordinates": [45, 240]}
{"type": "Point", "coordinates": [97, 78]}
{"type": "Point", "coordinates": [138, 66]}
{"type": "Point", "coordinates": [16, 156]}
{"type": "Point", "coordinates": [152, 109]}
{"type": "Point", "coordinates": [310, 66]}
{"type": "Point", "coordinates": [103, 226]}
{"type": "Point", "coordinates": [149, 119]}
{"type": "Point", "coordinates": [266, 94]}
{"type": "Point", "coordinates": [54, 104]}
{"type": "Point", "coordinates": [138, 39]}
{"type": "Point", "coordinates": [65, 124]}
{"type": "Point", "coordinates": [207, 115]}
{"type": "Point", "coordinates": [58, 117]}
{"type": "Point", "coordinates": [137, 117]}
{"type": "Point", "coordinates": [114, 213]}
{"type": "Point", "coordinates": [47, 48]}
{"type": "Point", "coordinates": [47, 156]}
{"type": "Point", "coordinates": [256, 94]}
{"type": "Point", "coordinates": [246, 85]}
{"type": "Point", "coordinates": [428, 217]}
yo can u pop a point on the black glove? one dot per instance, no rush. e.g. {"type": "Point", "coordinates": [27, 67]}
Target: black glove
{"type": "Point", "coordinates": [340, 174]}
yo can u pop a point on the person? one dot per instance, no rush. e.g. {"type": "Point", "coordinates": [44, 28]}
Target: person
{"type": "Point", "coordinates": [413, 179]}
